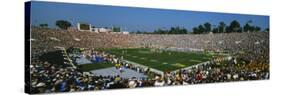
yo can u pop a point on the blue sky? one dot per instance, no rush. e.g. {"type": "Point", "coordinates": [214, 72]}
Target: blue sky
{"type": "Point", "coordinates": [133, 19]}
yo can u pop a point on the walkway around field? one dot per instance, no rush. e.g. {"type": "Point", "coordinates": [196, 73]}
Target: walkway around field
{"type": "Point", "coordinates": [112, 71]}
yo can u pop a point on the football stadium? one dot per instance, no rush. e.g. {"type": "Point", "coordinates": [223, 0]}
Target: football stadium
{"type": "Point", "coordinates": [100, 48]}
{"type": "Point", "coordinates": [80, 61]}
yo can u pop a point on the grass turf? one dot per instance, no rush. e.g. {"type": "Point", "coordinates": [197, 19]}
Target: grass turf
{"type": "Point", "coordinates": [95, 66]}
{"type": "Point", "coordinates": [163, 60]}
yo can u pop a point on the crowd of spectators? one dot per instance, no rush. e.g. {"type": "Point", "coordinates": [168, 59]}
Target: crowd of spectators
{"type": "Point", "coordinates": [253, 43]}
{"type": "Point", "coordinates": [220, 71]}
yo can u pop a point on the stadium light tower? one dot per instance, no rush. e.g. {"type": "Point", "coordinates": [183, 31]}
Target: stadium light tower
{"type": "Point", "coordinates": [72, 22]}
{"type": "Point", "coordinates": [213, 27]}
{"type": "Point", "coordinates": [248, 22]}
{"type": "Point", "coordinates": [125, 29]}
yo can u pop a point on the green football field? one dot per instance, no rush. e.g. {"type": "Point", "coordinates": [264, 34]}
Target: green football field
{"type": "Point", "coordinates": [159, 59]}
{"type": "Point", "coordinates": [90, 67]}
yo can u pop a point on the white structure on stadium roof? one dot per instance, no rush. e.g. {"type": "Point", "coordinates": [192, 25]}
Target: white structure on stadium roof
{"type": "Point", "coordinates": [89, 28]}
